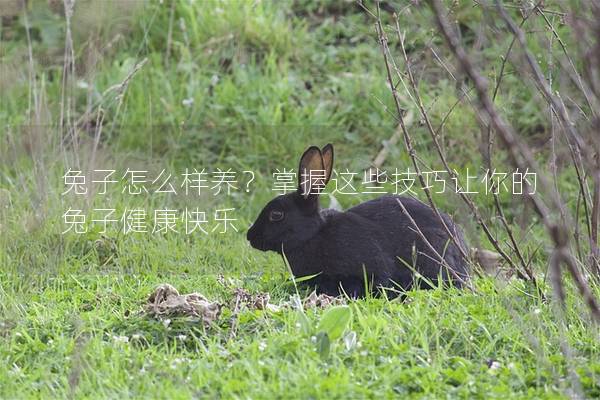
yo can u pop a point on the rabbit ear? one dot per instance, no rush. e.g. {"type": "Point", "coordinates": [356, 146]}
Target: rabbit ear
{"type": "Point", "coordinates": [311, 173]}
{"type": "Point", "coordinates": [327, 153]}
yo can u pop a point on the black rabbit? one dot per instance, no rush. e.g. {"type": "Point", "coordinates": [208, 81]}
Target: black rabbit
{"type": "Point", "coordinates": [376, 240]}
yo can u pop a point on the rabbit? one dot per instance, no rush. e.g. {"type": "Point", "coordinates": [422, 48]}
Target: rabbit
{"type": "Point", "coordinates": [370, 248]}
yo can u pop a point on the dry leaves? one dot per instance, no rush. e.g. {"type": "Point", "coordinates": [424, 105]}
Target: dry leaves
{"type": "Point", "coordinates": [260, 301]}
{"type": "Point", "coordinates": [322, 300]}
{"type": "Point", "coordinates": [166, 301]}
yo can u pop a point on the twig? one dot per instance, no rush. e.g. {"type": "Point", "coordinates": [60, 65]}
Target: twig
{"type": "Point", "coordinates": [518, 151]}
{"type": "Point", "coordinates": [434, 136]}
{"type": "Point", "coordinates": [407, 138]}
{"type": "Point", "coordinates": [170, 34]}
{"type": "Point", "coordinates": [462, 279]}
{"type": "Point", "coordinates": [578, 81]}
{"type": "Point", "coordinates": [579, 147]}
{"type": "Point", "coordinates": [385, 149]}
{"type": "Point", "coordinates": [529, 273]}
{"type": "Point", "coordinates": [545, 89]}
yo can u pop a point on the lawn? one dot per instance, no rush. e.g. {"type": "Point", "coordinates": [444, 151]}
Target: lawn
{"type": "Point", "coordinates": [165, 88]}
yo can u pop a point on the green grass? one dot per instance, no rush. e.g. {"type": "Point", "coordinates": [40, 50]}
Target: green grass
{"type": "Point", "coordinates": [248, 85]}
{"type": "Point", "coordinates": [80, 332]}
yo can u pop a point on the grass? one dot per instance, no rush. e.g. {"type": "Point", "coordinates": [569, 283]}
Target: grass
{"type": "Point", "coordinates": [73, 334]}
{"type": "Point", "coordinates": [247, 86]}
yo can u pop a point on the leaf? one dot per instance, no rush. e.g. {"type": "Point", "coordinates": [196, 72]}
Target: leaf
{"type": "Point", "coordinates": [323, 344]}
{"type": "Point", "coordinates": [303, 323]}
{"type": "Point", "coordinates": [49, 26]}
{"type": "Point", "coordinates": [352, 137]}
{"type": "Point", "coordinates": [350, 340]}
{"type": "Point", "coordinates": [335, 321]}
{"type": "Point", "coordinates": [306, 278]}
{"type": "Point", "coordinates": [296, 302]}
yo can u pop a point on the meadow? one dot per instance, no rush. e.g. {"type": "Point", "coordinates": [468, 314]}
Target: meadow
{"type": "Point", "coordinates": [162, 88]}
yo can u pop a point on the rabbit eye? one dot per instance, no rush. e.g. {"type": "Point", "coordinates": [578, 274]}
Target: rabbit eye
{"type": "Point", "coordinates": [275, 216]}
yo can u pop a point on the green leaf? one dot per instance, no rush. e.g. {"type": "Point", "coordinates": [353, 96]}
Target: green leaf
{"type": "Point", "coordinates": [323, 344]}
{"type": "Point", "coordinates": [303, 323]}
{"type": "Point", "coordinates": [350, 340]}
{"type": "Point", "coordinates": [335, 321]}
{"type": "Point", "coordinates": [306, 278]}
